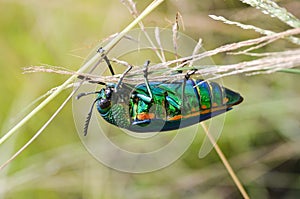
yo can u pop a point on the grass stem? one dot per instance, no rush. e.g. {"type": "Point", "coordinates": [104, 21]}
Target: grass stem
{"type": "Point", "coordinates": [226, 163]}
{"type": "Point", "coordinates": [97, 56]}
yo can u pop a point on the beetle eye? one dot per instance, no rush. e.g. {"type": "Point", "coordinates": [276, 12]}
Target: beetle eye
{"type": "Point", "coordinates": [108, 93]}
{"type": "Point", "coordinates": [104, 103]}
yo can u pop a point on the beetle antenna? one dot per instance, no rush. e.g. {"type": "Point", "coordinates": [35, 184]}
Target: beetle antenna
{"type": "Point", "coordinates": [101, 51]}
{"type": "Point", "coordinates": [88, 119]}
{"type": "Point", "coordinates": [85, 94]}
{"type": "Point", "coordinates": [90, 80]}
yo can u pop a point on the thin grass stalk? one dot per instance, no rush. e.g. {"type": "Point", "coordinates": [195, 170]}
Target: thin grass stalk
{"type": "Point", "coordinates": [39, 131]}
{"type": "Point", "coordinates": [271, 8]}
{"type": "Point", "coordinates": [290, 70]}
{"type": "Point", "coordinates": [97, 56]}
{"type": "Point", "coordinates": [225, 163]}
{"type": "Point", "coordinates": [132, 9]}
{"type": "Point", "coordinates": [163, 71]}
{"type": "Point", "coordinates": [292, 39]}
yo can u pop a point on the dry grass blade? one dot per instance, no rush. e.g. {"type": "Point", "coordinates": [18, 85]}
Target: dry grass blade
{"type": "Point", "coordinates": [226, 163]}
{"type": "Point", "coordinates": [196, 51]}
{"type": "Point", "coordinates": [294, 40]}
{"type": "Point", "coordinates": [133, 11]}
{"type": "Point", "coordinates": [158, 41]}
{"type": "Point", "coordinates": [268, 64]}
{"type": "Point", "coordinates": [49, 69]}
{"type": "Point", "coordinates": [273, 9]}
{"type": "Point", "coordinates": [175, 28]}
{"type": "Point", "coordinates": [271, 62]}
{"type": "Point", "coordinates": [97, 57]}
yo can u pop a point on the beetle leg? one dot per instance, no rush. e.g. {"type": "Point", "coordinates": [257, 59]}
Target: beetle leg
{"type": "Point", "coordinates": [101, 51]}
{"type": "Point", "coordinates": [172, 107]}
{"type": "Point", "coordinates": [186, 77]}
{"type": "Point", "coordinates": [166, 104]}
{"type": "Point", "coordinates": [146, 78]}
{"type": "Point", "coordinates": [140, 101]}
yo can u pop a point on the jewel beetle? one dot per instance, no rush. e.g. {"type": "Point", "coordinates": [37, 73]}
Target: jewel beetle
{"type": "Point", "coordinates": [160, 106]}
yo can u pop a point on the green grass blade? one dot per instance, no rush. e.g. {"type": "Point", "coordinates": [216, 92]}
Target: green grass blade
{"type": "Point", "coordinates": [97, 56]}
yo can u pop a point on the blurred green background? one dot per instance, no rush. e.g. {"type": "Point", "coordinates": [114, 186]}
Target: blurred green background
{"type": "Point", "coordinates": [260, 137]}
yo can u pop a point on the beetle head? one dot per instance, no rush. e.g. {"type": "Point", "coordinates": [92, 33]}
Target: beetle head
{"type": "Point", "coordinates": [103, 100]}
{"type": "Point", "coordinates": [105, 97]}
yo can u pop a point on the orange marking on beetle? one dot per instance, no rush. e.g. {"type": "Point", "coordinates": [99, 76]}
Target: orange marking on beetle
{"type": "Point", "coordinates": [219, 108]}
{"type": "Point", "coordinates": [145, 116]}
{"type": "Point", "coordinates": [205, 111]}
{"type": "Point", "coordinates": [225, 100]}
{"type": "Point", "coordinates": [192, 114]}
{"type": "Point", "coordinates": [176, 117]}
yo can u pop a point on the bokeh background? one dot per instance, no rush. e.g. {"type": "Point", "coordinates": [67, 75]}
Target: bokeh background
{"type": "Point", "coordinates": [260, 137]}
